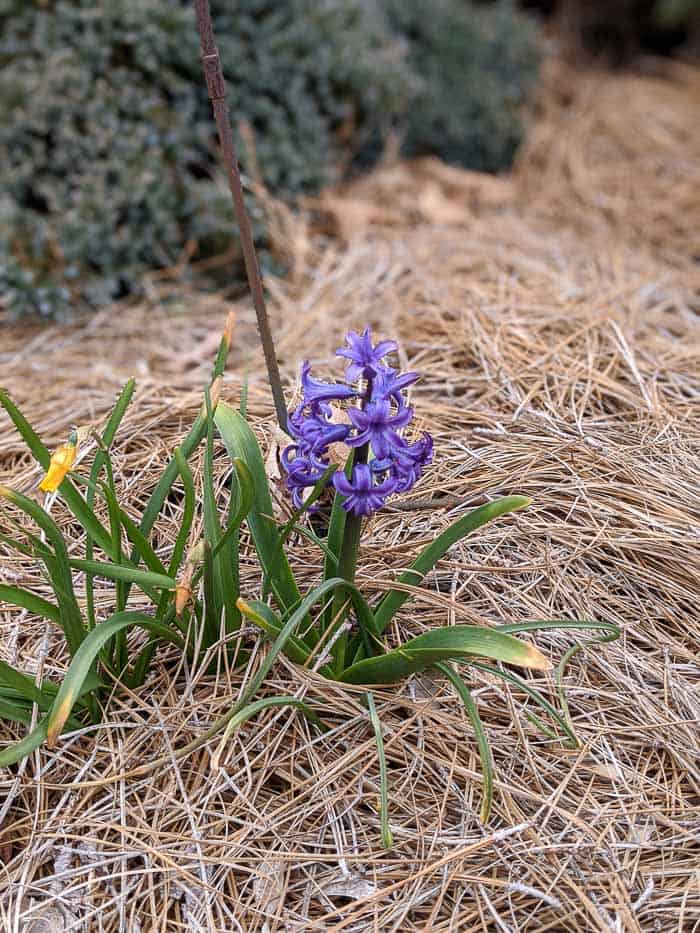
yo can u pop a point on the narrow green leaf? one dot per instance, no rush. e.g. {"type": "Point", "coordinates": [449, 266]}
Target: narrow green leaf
{"type": "Point", "coordinates": [189, 445]}
{"type": "Point", "coordinates": [140, 541]}
{"type": "Point", "coordinates": [70, 495]}
{"type": "Point", "coordinates": [268, 620]}
{"type": "Point", "coordinates": [224, 346]}
{"type": "Point", "coordinates": [244, 500]}
{"type": "Point", "coordinates": [23, 685]}
{"type": "Point", "coordinates": [334, 539]}
{"type": "Point", "coordinates": [241, 443]}
{"type": "Point", "coordinates": [292, 623]}
{"type": "Point", "coordinates": [299, 650]}
{"type": "Point", "coordinates": [18, 546]}
{"type": "Point", "coordinates": [310, 536]}
{"type": "Point", "coordinates": [214, 567]}
{"type": "Point", "coordinates": [26, 431]}
{"type": "Point", "coordinates": [444, 644]}
{"type": "Point", "coordinates": [482, 741]}
{"type": "Point", "coordinates": [143, 659]}
{"type": "Point", "coordinates": [80, 666]}
{"type": "Point", "coordinates": [101, 458]}
{"type": "Point", "coordinates": [158, 496]}
{"type": "Point", "coordinates": [11, 711]}
{"type": "Point", "coordinates": [387, 835]}
{"type": "Point", "coordinates": [19, 750]}
{"type": "Point", "coordinates": [57, 566]}
{"type": "Point", "coordinates": [257, 706]}
{"type": "Point", "coordinates": [187, 478]}
{"type": "Point", "coordinates": [611, 633]}
{"type": "Point", "coordinates": [230, 556]}
{"type": "Point", "coordinates": [29, 601]}
{"type": "Point", "coordinates": [392, 601]}
{"type": "Point", "coordinates": [541, 625]}
{"type": "Point", "coordinates": [115, 654]}
{"type": "Point", "coordinates": [211, 619]}
{"type": "Point", "coordinates": [142, 578]}
{"type": "Point", "coordinates": [535, 695]}
{"type": "Point", "coordinates": [240, 509]}
{"type": "Point", "coordinates": [183, 531]}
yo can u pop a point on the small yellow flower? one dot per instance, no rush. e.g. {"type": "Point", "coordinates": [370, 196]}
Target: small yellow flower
{"type": "Point", "coordinates": [62, 461]}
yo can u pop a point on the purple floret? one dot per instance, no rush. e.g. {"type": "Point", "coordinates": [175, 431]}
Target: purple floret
{"type": "Point", "coordinates": [317, 391]}
{"type": "Point", "coordinates": [377, 425]}
{"type": "Point", "coordinates": [364, 358]}
{"type": "Point", "coordinates": [362, 495]}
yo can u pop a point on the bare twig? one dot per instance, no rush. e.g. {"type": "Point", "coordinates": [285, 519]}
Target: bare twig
{"type": "Point", "coordinates": [216, 86]}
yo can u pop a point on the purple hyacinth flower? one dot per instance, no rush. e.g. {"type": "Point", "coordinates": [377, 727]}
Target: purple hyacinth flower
{"type": "Point", "coordinates": [317, 391]}
{"type": "Point", "coordinates": [362, 496]}
{"type": "Point", "coordinates": [364, 358]}
{"type": "Point", "coordinates": [377, 425]}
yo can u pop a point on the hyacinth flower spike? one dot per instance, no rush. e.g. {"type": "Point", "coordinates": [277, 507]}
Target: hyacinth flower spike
{"type": "Point", "coordinates": [374, 430]}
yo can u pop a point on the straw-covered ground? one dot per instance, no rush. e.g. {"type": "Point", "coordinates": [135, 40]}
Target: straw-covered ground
{"type": "Point", "coordinates": [553, 317]}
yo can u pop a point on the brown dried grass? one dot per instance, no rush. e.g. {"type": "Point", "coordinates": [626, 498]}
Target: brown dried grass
{"type": "Point", "coordinates": [553, 317]}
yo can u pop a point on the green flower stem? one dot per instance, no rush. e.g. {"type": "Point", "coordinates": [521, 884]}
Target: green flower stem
{"type": "Point", "coordinates": [347, 568]}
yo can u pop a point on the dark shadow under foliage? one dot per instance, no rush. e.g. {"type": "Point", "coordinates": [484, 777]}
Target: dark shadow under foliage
{"type": "Point", "coordinates": [107, 142]}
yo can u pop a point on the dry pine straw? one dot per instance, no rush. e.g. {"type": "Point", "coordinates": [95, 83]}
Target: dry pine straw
{"type": "Point", "coordinates": [559, 346]}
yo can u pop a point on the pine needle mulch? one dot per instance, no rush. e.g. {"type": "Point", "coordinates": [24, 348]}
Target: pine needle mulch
{"type": "Point", "coordinates": [554, 317]}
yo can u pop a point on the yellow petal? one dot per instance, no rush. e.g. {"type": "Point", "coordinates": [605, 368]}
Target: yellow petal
{"type": "Point", "coordinates": [62, 460]}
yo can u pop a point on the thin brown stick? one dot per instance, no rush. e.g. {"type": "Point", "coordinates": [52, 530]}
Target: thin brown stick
{"type": "Point", "coordinates": [216, 86]}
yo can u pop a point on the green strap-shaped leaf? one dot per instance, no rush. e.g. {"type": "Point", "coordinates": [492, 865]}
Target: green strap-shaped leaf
{"type": "Point", "coordinates": [241, 443]}
{"type": "Point", "coordinates": [571, 740]}
{"type": "Point", "coordinates": [189, 445]}
{"type": "Point", "coordinates": [336, 530]}
{"type": "Point", "coordinates": [189, 506]}
{"type": "Point", "coordinates": [23, 685]}
{"type": "Point", "coordinates": [85, 656]}
{"type": "Point", "coordinates": [387, 835]}
{"type": "Point", "coordinates": [19, 750]}
{"type": "Point", "coordinates": [69, 493]}
{"type": "Point", "coordinates": [252, 709]}
{"type": "Point", "coordinates": [12, 711]}
{"type": "Point", "coordinates": [444, 644]}
{"type": "Point", "coordinates": [57, 565]}
{"type": "Point", "coordinates": [214, 568]}
{"type": "Point", "coordinates": [288, 629]}
{"type": "Point", "coordinates": [612, 631]}
{"type": "Point", "coordinates": [127, 574]}
{"type": "Point", "coordinates": [29, 601]}
{"type": "Point", "coordinates": [392, 601]}
{"type": "Point", "coordinates": [482, 740]}
{"type": "Point", "coordinates": [102, 458]}
{"type": "Point", "coordinates": [269, 621]}
{"type": "Point", "coordinates": [139, 540]}
{"type": "Point", "coordinates": [297, 649]}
